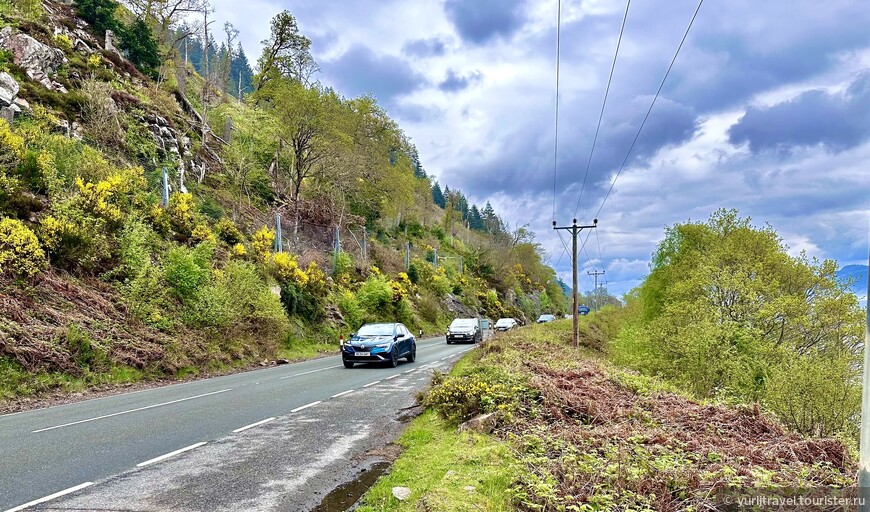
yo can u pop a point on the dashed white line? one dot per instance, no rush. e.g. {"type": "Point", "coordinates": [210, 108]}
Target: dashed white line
{"type": "Point", "coordinates": [306, 406]}
{"type": "Point", "coordinates": [411, 370]}
{"type": "Point", "coordinates": [170, 454]}
{"type": "Point", "coordinates": [129, 411]}
{"type": "Point", "coordinates": [50, 497]}
{"type": "Point", "coordinates": [252, 425]}
{"type": "Point", "coordinates": [372, 383]}
{"type": "Point", "coordinates": [311, 371]}
{"type": "Point", "coordinates": [392, 376]}
{"type": "Point", "coordinates": [342, 393]}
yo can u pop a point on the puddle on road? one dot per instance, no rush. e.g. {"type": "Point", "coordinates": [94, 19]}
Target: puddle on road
{"type": "Point", "coordinates": [345, 495]}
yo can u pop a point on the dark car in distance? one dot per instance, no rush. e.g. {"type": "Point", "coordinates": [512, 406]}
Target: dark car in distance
{"type": "Point", "coordinates": [464, 330]}
{"type": "Point", "coordinates": [379, 343]}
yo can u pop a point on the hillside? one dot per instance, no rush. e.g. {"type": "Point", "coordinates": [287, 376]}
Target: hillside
{"type": "Point", "coordinates": [287, 217]}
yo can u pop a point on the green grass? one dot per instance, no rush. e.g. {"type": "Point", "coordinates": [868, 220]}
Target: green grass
{"type": "Point", "coordinates": [453, 462]}
{"type": "Point", "coordinates": [16, 382]}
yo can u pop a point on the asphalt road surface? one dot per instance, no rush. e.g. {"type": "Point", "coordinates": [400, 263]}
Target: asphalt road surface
{"type": "Point", "coordinates": [272, 439]}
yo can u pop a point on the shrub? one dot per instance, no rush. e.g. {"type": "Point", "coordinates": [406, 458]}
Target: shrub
{"type": "Point", "coordinates": [41, 173]}
{"type": "Point", "coordinates": [344, 264]}
{"type": "Point", "coordinates": [185, 271]}
{"type": "Point", "coordinates": [460, 398]}
{"type": "Point", "coordinates": [376, 296]}
{"type": "Point", "coordinates": [84, 351]}
{"type": "Point", "coordinates": [63, 42]}
{"type": "Point", "coordinates": [252, 298]}
{"type": "Point", "coordinates": [134, 247]}
{"type": "Point", "coordinates": [262, 242]}
{"type": "Point", "coordinates": [350, 308]}
{"type": "Point", "coordinates": [145, 296]}
{"type": "Point", "coordinates": [239, 250]}
{"type": "Point", "coordinates": [181, 213]}
{"type": "Point", "coordinates": [11, 146]}
{"type": "Point", "coordinates": [285, 269]}
{"type": "Point", "coordinates": [202, 233]}
{"type": "Point", "coordinates": [20, 253]}
{"type": "Point", "coordinates": [228, 232]}
{"type": "Point", "coordinates": [100, 14]}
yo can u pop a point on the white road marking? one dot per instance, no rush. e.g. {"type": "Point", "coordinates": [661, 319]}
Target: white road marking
{"type": "Point", "coordinates": [306, 406]}
{"type": "Point", "coordinates": [129, 411]}
{"type": "Point", "coordinates": [50, 497]}
{"type": "Point", "coordinates": [342, 393]}
{"type": "Point", "coordinates": [311, 371]}
{"type": "Point", "coordinates": [372, 383]}
{"type": "Point", "coordinates": [409, 371]}
{"type": "Point", "coordinates": [252, 425]}
{"type": "Point", "coordinates": [392, 376]}
{"type": "Point", "coordinates": [170, 454]}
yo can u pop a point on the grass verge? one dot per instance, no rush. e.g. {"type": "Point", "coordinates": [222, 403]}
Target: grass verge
{"type": "Point", "coordinates": [464, 471]}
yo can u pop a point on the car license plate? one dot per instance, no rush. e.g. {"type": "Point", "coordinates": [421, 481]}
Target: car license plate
{"type": "Point", "coordinates": [362, 354]}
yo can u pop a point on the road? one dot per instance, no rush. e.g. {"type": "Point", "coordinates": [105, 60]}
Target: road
{"type": "Point", "coordinates": [270, 439]}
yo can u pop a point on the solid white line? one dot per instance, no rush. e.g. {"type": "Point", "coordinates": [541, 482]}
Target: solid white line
{"type": "Point", "coordinates": [129, 411]}
{"type": "Point", "coordinates": [372, 383]}
{"type": "Point", "coordinates": [252, 425]}
{"type": "Point", "coordinates": [170, 454]}
{"type": "Point", "coordinates": [50, 497]}
{"type": "Point", "coordinates": [392, 376]}
{"type": "Point", "coordinates": [342, 393]}
{"type": "Point", "coordinates": [311, 371]}
{"type": "Point", "coordinates": [306, 406]}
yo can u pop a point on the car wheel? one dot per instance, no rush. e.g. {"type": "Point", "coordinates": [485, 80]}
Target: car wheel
{"type": "Point", "coordinates": [348, 364]}
{"type": "Point", "coordinates": [448, 341]}
{"type": "Point", "coordinates": [394, 357]}
{"type": "Point", "coordinates": [412, 355]}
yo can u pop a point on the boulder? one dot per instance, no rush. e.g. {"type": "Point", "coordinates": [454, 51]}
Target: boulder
{"type": "Point", "coordinates": [401, 493]}
{"type": "Point", "coordinates": [8, 89]}
{"type": "Point", "coordinates": [483, 424]}
{"type": "Point", "coordinates": [39, 61]}
{"type": "Point", "coordinates": [7, 114]}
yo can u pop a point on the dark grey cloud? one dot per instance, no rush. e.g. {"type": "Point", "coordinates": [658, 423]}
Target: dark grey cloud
{"type": "Point", "coordinates": [431, 47]}
{"type": "Point", "coordinates": [835, 121]}
{"type": "Point", "coordinates": [455, 82]}
{"type": "Point", "coordinates": [479, 21]}
{"type": "Point", "coordinates": [360, 70]}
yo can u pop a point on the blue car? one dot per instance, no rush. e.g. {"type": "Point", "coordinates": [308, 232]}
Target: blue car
{"type": "Point", "coordinates": [379, 343]}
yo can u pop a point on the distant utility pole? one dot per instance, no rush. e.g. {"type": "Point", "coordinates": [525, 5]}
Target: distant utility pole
{"type": "Point", "coordinates": [365, 246]}
{"type": "Point", "coordinates": [407, 256]}
{"type": "Point", "coordinates": [575, 230]}
{"type": "Point", "coordinates": [279, 242]}
{"type": "Point", "coordinates": [864, 454]}
{"type": "Point", "coordinates": [596, 273]}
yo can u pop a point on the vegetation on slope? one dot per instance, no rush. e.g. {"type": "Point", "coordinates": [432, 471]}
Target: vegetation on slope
{"type": "Point", "coordinates": [577, 432]}
{"type": "Point", "coordinates": [103, 280]}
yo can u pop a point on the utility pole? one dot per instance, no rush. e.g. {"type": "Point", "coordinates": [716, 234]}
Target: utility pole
{"type": "Point", "coordinates": [575, 230]}
{"type": "Point", "coordinates": [864, 454]}
{"type": "Point", "coordinates": [596, 273]}
{"type": "Point", "coordinates": [435, 259]}
{"type": "Point", "coordinates": [279, 242]}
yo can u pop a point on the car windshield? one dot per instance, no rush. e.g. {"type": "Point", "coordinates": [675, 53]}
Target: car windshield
{"type": "Point", "coordinates": [546, 317]}
{"type": "Point", "coordinates": [462, 323]}
{"type": "Point", "coordinates": [376, 330]}
{"type": "Point", "coordinates": [503, 321]}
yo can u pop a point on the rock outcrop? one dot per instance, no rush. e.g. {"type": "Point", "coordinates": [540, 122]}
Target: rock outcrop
{"type": "Point", "coordinates": [38, 60]}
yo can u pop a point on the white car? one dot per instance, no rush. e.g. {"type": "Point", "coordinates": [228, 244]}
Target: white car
{"type": "Point", "coordinates": [505, 324]}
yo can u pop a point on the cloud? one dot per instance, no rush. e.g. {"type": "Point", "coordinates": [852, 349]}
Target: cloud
{"type": "Point", "coordinates": [479, 21]}
{"type": "Point", "coordinates": [360, 70]}
{"type": "Point", "coordinates": [455, 82]}
{"type": "Point", "coordinates": [429, 47]}
{"type": "Point", "coordinates": [836, 121]}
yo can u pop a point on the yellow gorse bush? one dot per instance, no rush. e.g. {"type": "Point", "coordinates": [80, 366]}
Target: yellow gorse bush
{"type": "Point", "coordinates": [11, 146]}
{"type": "Point", "coordinates": [202, 233]}
{"type": "Point", "coordinates": [52, 230]}
{"type": "Point", "coordinates": [109, 197]}
{"type": "Point", "coordinates": [261, 243]}
{"type": "Point", "coordinates": [20, 252]}
{"type": "Point", "coordinates": [181, 208]}
{"type": "Point", "coordinates": [286, 269]}
{"type": "Point", "coordinates": [239, 250]}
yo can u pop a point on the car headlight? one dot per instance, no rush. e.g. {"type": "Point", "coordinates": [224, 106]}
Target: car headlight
{"type": "Point", "coordinates": [383, 345]}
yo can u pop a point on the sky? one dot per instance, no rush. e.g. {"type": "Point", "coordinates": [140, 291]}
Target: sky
{"type": "Point", "coordinates": [766, 110]}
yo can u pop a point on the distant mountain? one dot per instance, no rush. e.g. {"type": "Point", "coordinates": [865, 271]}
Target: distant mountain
{"type": "Point", "coordinates": [857, 274]}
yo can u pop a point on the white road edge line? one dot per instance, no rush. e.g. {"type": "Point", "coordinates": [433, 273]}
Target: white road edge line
{"type": "Point", "coordinates": [310, 371]}
{"type": "Point", "coordinates": [252, 425]}
{"type": "Point", "coordinates": [372, 383]}
{"type": "Point", "coordinates": [170, 454]}
{"type": "Point", "coordinates": [392, 376]}
{"type": "Point", "coordinates": [129, 411]}
{"type": "Point", "coordinates": [342, 393]}
{"type": "Point", "coordinates": [306, 406]}
{"type": "Point", "coordinates": [50, 497]}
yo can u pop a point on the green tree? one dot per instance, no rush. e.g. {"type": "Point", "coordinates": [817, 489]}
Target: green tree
{"type": "Point", "coordinates": [438, 196]}
{"type": "Point", "coordinates": [100, 14]}
{"type": "Point", "coordinates": [141, 48]}
{"type": "Point", "coordinates": [286, 53]}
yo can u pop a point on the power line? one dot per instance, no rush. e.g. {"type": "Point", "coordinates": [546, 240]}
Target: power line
{"type": "Point", "coordinates": [603, 104]}
{"type": "Point", "coordinates": [556, 131]}
{"type": "Point", "coordinates": [652, 104]}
